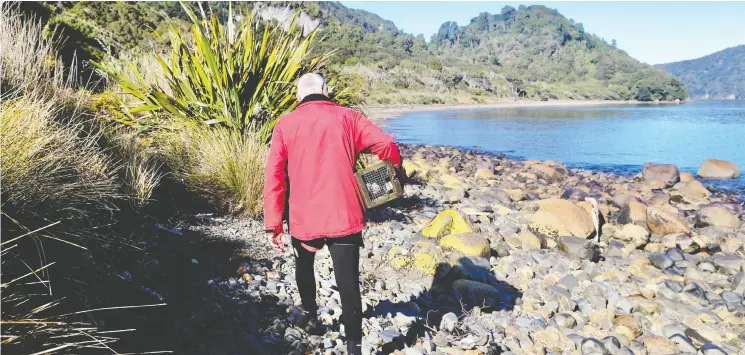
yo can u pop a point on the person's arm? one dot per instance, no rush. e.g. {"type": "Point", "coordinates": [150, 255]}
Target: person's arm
{"type": "Point", "coordinates": [275, 188]}
{"type": "Point", "coordinates": [369, 137]}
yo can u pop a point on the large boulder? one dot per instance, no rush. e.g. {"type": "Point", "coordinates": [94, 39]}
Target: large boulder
{"type": "Point", "coordinates": [666, 173]}
{"type": "Point", "coordinates": [718, 169]}
{"type": "Point", "coordinates": [412, 168]}
{"type": "Point", "coordinates": [448, 222]}
{"type": "Point", "coordinates": [633, 212]}
{"type": "Point", "coordinates": [718, 215]}
{"type": "Point", "coordinates": [556, 218]}
{"type": "Point", "coordinates": [453, 182]}
{"type": "Point", "coordinates": [664, 219]}
{"type": "Point", "coordinates": [469, 243]}
{"type": "Point", "coordinates": [692, 192]}
{"type": "Point", "coordinates": [633, 234]}
{"type": "Point", "coordinates": [547, 172]}
{"type": "Point", "coordinates": [685, 177]}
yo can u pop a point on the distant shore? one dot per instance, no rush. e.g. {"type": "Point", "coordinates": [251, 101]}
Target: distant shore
{"type": "Point", "coordinates": [380, 113]}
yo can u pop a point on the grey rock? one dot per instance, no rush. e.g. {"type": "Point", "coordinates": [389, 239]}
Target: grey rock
{"type": "Point", "coordinates": [707, 266]}
{"type": "Point", "coordinates": [582, 248]}
{"type": "Point", "coordinates": [738, 283]}
{"type": "Point", "coordinates": [713, 297]}
{"type": "Point", "coordinates": [676, 286]}
{"type": "Point", "coordinates": [684, 344]}
{"type": "Point", "coordinates": [612, 344]}
{"type": "Point", "coordinates": [566, 320]}
{"type": "Point", "coordinates": [661, 261]}
{"type": "Point", "coordinates": [593, 346]}
{"type": "Point", "coordinates": [675, 254]}
{"type": "Point", "coordinates": [711, 349]}
{"type": "Point", "coordinates": [625, 351]}
{"type": "Point", "coordinates": [448, 322]}
{"type": "Point", "coordinates": [731, 264]}
{"type": "Point", "coordinates": [390, 335]}
{"type": "Point", "coordinates": [576, 339]}
{"type": "Point", "coordinates": [695, 290]}
{"type": "Point", "coordinates": [672, 329]}
{"type": "Point", "coordinates": [569, 281]}
{"type": "Point", "coordinates": [732, 297]}
{"type": "Point", "coordinates": [417, 350]}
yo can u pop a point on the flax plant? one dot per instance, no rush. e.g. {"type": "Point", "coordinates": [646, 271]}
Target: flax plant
{"type": "Point", "coordinates": [236, 75]}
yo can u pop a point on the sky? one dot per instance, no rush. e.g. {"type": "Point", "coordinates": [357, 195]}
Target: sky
{"type": "Point", "coordinates": [652, 32]}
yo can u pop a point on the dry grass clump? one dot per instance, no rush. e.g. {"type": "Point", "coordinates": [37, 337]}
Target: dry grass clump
{"type": "Point", "coordinates": [223, 164]}
{"type": "Point", "coordinates": [141, 168]}
{"type": "Point", "coordinates": [27, 59]}
{"type": "Point", "coordinates": [51, 168]}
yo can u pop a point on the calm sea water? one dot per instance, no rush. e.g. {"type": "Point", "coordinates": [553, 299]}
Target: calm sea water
{"type": "Point", "coordinates": [617, 139]}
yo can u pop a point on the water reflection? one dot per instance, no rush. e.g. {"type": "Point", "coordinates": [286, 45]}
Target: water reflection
{"type": "Point", "coordinates": [616, 138]}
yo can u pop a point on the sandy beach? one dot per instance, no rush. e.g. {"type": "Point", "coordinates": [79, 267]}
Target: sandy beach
{"type": "Point", "coordinates": [379, 113]}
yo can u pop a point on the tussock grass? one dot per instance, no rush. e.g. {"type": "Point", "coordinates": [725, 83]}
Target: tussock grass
{"type": "Point", "coordinates": [141, 168]}
{"type": "Point", "coordinates": [28, 61]}
{"type": "Point", "coordinates": [49, 168]}
{"type": "Point", "coordinates": [226, 166]}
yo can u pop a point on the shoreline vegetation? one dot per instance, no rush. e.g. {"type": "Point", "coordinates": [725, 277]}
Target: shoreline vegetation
{"type": "Point", "coordinates": [131, 206]}
{"type": "Point", "coordinates": [380, 113]}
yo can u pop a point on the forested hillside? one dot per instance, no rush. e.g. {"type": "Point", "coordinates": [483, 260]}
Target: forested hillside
{"type": "Point", "coordinates": [525, 53]}
{"type": "Point", "coordinates": [719, 75]}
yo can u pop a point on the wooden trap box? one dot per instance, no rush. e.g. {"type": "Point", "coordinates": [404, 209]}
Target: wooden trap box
{"type": "Point", "coordinates": [379, 184]}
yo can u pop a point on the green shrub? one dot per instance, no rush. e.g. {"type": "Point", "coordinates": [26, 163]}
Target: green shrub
{"type": "Point", "coordinates": [351, 61]}
{"type": "Point", "coordinates": [434, 64]}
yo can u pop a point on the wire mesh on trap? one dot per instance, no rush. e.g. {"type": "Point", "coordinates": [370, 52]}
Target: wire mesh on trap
{"type": "Point", "coordinates": [379, 184]}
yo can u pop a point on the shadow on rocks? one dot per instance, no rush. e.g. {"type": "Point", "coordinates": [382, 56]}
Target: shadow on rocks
{"type": "Point", "coordinates": [461, 308]}
{"type": "Point", "coordinates": [210, 308]}
{"type": "Point", "coordinates": [398, 209]}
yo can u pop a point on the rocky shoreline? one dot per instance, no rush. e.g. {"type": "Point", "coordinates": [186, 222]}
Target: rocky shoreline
{"type": "Point", "coordinates": [488, 255]}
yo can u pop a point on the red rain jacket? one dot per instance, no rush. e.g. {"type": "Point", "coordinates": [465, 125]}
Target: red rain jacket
{"type": "Point", "coordinates": [312, 157]}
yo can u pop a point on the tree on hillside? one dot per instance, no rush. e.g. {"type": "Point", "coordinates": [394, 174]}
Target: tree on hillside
{"type": "Point", "coordinates": [644, 94]}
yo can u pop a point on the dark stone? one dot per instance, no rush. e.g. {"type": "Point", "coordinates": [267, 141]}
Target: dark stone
{"type": "Point", "coordinates": [695, 290]}
{"type": "Point", "coordinates": [661, 261]}
{"type": "Point", "coordinates": [676, 286]}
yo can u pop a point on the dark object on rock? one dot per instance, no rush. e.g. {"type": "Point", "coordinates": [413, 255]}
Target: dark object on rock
{"type": "Point", "coordinates": [582, 248]}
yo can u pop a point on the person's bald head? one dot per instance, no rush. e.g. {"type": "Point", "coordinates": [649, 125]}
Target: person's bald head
{"type": "Point", "coordinates": [309, 84]}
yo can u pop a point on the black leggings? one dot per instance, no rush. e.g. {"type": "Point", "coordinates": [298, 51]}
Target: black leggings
{"type": "Point", "coordinates": [345, 254]}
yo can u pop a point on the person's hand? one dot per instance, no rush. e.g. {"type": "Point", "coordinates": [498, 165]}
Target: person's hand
{"type": "Point", "coordinates": [277, 241]}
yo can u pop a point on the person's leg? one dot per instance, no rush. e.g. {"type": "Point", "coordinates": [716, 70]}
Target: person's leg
{"type": "Point", "coordinates": [305, 276]}
{"type": "Point", "coordinates": [345, 254]}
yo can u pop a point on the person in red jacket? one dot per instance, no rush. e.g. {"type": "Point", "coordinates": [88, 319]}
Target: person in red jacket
{"type": "Point", "coordinates": [311, 162]}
